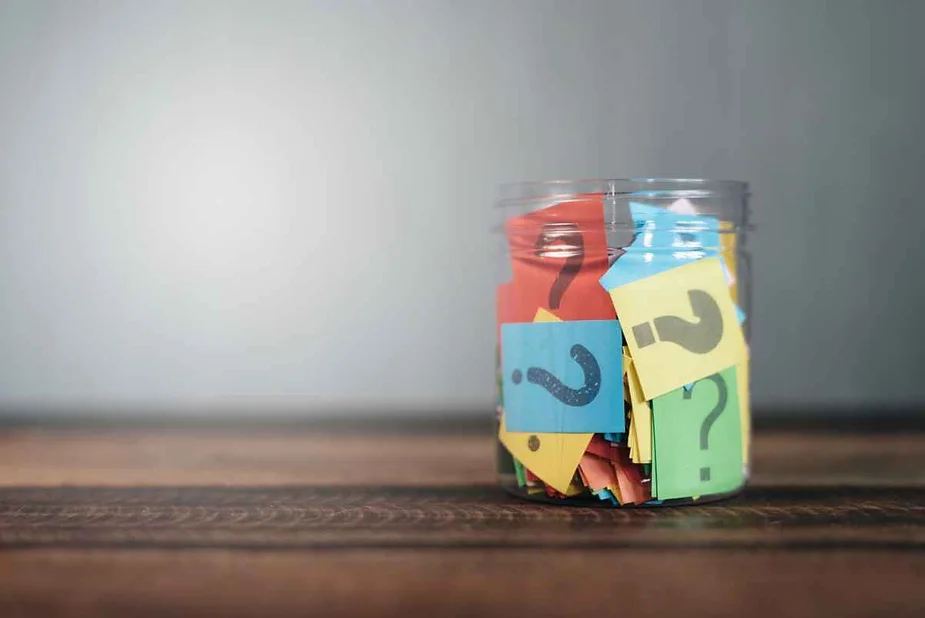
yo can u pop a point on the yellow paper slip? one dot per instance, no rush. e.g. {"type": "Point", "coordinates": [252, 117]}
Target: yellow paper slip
{"type": "Point", "coordinates": [635, 453]}
{"type": "Point", "coordinates": [631, 439]}
{"type": "Point", "coordinates": [727, 240]}
{"type": "Point", "coordinates": [680, 325]}
{"type": "Point", "coordinates": [542, 315]}
{"type": "Point", "coordinates": [643, 427]}
{"type": "Point", "coordinates": [553, 457]}
{"type": "Point", "coordinates": [627, 361]}
{"type": "Point", "coordinates": [630, 429]}
{"type": "Point", "coordinates": [642, 416]}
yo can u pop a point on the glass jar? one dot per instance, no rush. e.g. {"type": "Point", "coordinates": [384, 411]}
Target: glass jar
{"type": "Point", "coordinates": [622, 328]}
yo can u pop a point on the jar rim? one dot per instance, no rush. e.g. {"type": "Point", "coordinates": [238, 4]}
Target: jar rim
{"type": "Point", "coordinates": [625, 187]}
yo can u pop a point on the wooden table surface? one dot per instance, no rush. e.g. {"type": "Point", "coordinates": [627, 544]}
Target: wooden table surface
{"type": "Point", "coordinates": [200, 521]}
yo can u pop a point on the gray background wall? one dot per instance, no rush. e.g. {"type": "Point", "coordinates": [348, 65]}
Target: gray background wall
{"type": "Point", "coordinates": [216, 205]}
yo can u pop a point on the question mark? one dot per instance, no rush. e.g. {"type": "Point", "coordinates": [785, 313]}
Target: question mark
{"type": "Point", "coordinates": [568, 233]}
{"type": "Point", "coordinates": [697, 337]}
{"type": "Point", "coordinates": [711, 417]}
{"type": "Point", "coordinates": [575, 397]}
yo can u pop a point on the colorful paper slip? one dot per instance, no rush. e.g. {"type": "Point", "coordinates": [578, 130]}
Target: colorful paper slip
{"type": "Point", "coordinates": [698, 438]}
{"type": "Point", "coordinates": [631, 488]}
{"type": "Point", "coordinates": [680, 325]}
{"type": "Point", "coordinates": [598, 473]}
{"type": "Point", "coordinates": [542, 315]}
{"type": "Point", "coordinates": [631, 442]}
{"type": "Point", "coordinates": [653, 467]}
{"type": "Point", "coordinates": [727, 241]}
{"type": "Point", "coordinates": [641, 414]}
{"type": "Point", "coordinates": [745, 411]}
{"type": "Point", "coordinates": [558, 255]}
{"type": "Point", "coordinates": [552, 457]}
{"type": "Point", "coordinates": [606, 494]}
{"type": "Point", "coordinates": [511, 306]}
{"type": "Point", "coordinates": [664, 240]}
{"type": "Point", "coordinates": [601, 448]}
{"type": "Point", "coordinates": [563, 376]}
{"type": "Point", "coordinates": [520, 473]}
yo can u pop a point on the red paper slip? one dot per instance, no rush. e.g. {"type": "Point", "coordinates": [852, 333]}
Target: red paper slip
{"type": "Point", "coordinates": [558, 255]}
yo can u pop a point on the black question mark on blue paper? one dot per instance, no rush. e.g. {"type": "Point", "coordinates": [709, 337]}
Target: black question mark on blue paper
{"type": "Point", "coordinates": [575, 397]}
{"type": "Point", "coordinates": [711, 417]}
{"type": "Point", "coordinates": [568, 233]}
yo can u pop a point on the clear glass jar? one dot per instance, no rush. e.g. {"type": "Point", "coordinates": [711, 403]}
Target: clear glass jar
{"type": "Point", "coordinates": [622, 325]}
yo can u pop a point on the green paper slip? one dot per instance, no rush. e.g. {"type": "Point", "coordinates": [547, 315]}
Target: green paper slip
{"type": "Point", "coordinates": [697, 438]}
{"type": "Point", "coordinates": [519, 472]}
{"type": "Point", "coordinates": [653, 466]}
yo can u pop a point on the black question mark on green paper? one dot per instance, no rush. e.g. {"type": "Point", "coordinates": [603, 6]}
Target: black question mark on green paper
{"type": "Point", "coordinates": [723, 397]}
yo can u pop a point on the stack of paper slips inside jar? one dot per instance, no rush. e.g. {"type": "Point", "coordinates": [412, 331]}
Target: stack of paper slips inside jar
{"type": "Point", "coordinates": [624, 378]}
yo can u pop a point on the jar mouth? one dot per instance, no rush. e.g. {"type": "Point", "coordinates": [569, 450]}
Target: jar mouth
{"type": "Point", "coordinates": [648, 188]}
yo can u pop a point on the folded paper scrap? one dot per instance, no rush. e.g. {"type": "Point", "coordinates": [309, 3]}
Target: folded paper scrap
{"type": "Point", "coordinates": [622, 380]}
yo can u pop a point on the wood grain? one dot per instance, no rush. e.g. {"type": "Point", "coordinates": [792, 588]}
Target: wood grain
{"type": "Point", "coordinates": [171, 522]}
{"type": "Point", "coordinates": [457, 517]}
{"type": "Point", "coordinates": [166, 457]}
{"type": "Point", "coordinates": [503, 583]}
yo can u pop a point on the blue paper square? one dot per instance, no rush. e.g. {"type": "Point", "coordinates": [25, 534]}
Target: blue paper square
{"type": "Point", "coordinates": [664, 240]}
{"type": "Point", "coordinates": [563, 377]}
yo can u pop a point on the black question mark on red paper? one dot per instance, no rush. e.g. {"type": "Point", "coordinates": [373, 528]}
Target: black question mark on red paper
{"type": "Point", "coordinates": [711, 417]}
{"type": "Point", "coordinates": [567, 233]}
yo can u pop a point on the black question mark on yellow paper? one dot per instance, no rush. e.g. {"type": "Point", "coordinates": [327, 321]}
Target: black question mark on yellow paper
{"type": "Point", "coordinates": [568, 234]}
{"type": "Point", "coordinates": [722, 398]}
{"type": "Point", "coordinates": [575, 397]}
{"type": "Point", "coordinates": [698, 337]}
